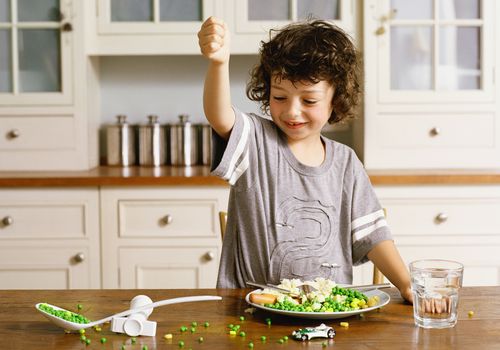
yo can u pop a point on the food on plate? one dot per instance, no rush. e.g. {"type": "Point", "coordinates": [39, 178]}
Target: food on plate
{"type": "Point", "coordinates": [326, 296]}
{"type": "Point", "coordinates": [263, 298]}
{"type": "Point", "coordinates": [321, 331]}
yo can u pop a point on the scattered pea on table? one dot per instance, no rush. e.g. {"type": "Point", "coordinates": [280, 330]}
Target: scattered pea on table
{"type": "Point", "coordinates": [206, 324]}
{"type": "Point", "coordinates": [103, 340]}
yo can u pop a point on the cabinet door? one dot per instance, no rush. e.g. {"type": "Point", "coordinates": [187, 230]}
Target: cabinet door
{"type": "Point", "coordinates": [168, 268]}
{"type": "Point", "coordinates": [36, 52]}
{"type": "Point", "coordinates": [453, 223]}
{"type": "Point", "coordinates": [259, 16]}
{"type": "Point", "coordinates": [49, 238]}
{"type": "Point", "coordinates": [152, 16]}
{"type": "Point", "coordinates": [432, 50]}
{"type": "Point", "coordinates": [43, 266]}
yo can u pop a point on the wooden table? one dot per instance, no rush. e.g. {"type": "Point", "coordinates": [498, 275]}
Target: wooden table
{"type": "Point", "coordinates": [22, 327]}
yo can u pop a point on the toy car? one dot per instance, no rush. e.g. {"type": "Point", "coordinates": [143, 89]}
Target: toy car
{"type": "Point", "coordinates": [322, 331]}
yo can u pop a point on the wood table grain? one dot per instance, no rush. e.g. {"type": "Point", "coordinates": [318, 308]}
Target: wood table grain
{"type": "Point", "coordinates": [392, 327]}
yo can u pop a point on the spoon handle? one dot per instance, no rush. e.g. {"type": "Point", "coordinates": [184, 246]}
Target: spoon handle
{"type": "Point", "coordinates": [156, 304]}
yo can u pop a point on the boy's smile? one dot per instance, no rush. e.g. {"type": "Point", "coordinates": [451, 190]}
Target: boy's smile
{"type": "Point", "coordinates": [301, 109]}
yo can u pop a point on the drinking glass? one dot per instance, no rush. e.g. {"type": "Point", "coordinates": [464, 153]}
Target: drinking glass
{"type": "Point", "coordinates": [435, 284]}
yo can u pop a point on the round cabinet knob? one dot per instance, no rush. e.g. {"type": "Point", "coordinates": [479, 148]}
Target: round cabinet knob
{"type": "Point", "coordinates": [441, 218]}
{"type": "Point", "coordinates": [167, 220]}
{"type": "Point", "coordinates": [435, 131]}
{"type": "Point", "coordinates": [80, 257]}
{"type": "Point", "coordinates": [13, 134]}
{"type": "Point", "coordinates": [7, 221]}
{"type": "Point", "coordinates": [210, 255]}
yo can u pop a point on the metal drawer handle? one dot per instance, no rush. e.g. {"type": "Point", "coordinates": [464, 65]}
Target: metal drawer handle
{"type": "Point", "coordinates": [435, 131]}
{"type": "Point", "coordinates": [80, 257]}
{"type": "Point", "coordinates": [441, 218]}
{"type": "Point", "coordinates": [7, 221]}
{"type": "Point", "coordinates": [13, 134]}
{"type": "Point", "coordinates": [167, 220]}
{"type": "Point", "coordinates": [210, 255]}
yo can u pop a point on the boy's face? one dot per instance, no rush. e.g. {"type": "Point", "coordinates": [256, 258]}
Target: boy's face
{"type": "Point", "coordinates": [300, 109]}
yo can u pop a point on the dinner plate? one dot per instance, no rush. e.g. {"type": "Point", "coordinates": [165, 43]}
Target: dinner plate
{"type": "Point", "coordinates": [384, 300]}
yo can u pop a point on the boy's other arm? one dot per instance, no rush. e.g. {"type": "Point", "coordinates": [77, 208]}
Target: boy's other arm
{"type": "Point", "coordinates": [214, 41]}
{"type": "Point", "coordinates": [387, 259]}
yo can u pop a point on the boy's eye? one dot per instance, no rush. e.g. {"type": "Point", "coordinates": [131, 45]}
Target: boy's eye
{"type": "Point", "coordinates": [310, 102]}
{"type": "Point", "coordinates": [279, 98]}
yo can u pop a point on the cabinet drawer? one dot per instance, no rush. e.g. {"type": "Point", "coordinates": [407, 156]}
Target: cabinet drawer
{"type": "Point", "coordinates": [437, 131]}
{"type": "Point", "coordinates": [167, 218]}
{"type": "Point", "coordinates": [37, 133]}
{"type": "Point", "coordinates": [168, 268]}
{"type": "Point", "coordinates": [39, 267]}
{"type": "Point", "coordinates": [424, 217]}
{"type": "Point", "coordinates": [49, 213]}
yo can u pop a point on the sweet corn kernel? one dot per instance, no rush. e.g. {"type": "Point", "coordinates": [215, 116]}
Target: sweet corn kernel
{"type": "Point", "coordinates": [168, 336]}
{"type": "Point", "coordinates": [470, 313]}
{"type": "Point", "coordinates": [344, 324]}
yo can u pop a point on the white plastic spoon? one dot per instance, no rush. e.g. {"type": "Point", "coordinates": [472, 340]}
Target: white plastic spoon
{"type": "Point", "coordinates": [73, 326]}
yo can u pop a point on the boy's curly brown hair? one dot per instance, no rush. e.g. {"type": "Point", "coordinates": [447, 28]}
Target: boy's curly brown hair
{"type": "Point", "coordinates": [309, 51]}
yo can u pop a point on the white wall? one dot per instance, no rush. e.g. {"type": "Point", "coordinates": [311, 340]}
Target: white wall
{"type": "Point", "coordinates": [164, 85]}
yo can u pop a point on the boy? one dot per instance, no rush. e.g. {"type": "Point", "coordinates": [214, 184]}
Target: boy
{"type": "Point", "coordinates": [301, 206]}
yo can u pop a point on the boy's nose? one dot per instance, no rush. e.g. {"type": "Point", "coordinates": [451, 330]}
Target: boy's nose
{"type": "Point", "coordinates": [293, 109]}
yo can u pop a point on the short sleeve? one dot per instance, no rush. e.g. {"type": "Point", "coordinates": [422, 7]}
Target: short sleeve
{"type": "Point", "coordinates": [368, 225]}
{"type": "Point", "coordinates": [231, 157]}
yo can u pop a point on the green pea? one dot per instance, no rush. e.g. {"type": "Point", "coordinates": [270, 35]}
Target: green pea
{"type": "Point", "coordinates": [242, 318]}
{"type": "Point", "coordinates": [133, 340]}
{"type": "Point", "coordinates": [79, 307]}
{"type": "Point", "coordinates": [250, 345]}
{"type": "Point", "coordinates": [281, 341]}
{"type": "Point", "coordinates": [200, 340]}
{"type": "Point", "coordinates": [263, 338]}
{"type": "Point", "coordinates": [103, 340]}
{"type": "Point", "coordinates": [324, 344]}
{"type": "Point", "coordinates": [194, 324]}
{"type": "Point", "coordinates": [181, 344]}
{"type": "Point", "coordinates": [122, 347]}
{"type": "Point", "coordinates": [285, 338]}
{"type": "Point", "coordinates": [83, 337]}
{"type": "Point", "coordinates": [87, 341]}
{"type": "Point", "coordinates": [193, 329]}
{"type": "Point", "coordinates": [243, 334]}
{"type": "Point", "coordinates": [144, 347]}
{"type": "Point", "coordinates": [206, 324]}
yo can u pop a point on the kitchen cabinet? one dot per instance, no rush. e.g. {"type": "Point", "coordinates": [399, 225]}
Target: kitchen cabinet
{"type": "Point", "coordinates": [44, 120]}
{"type": "Point", "coordinates": [251, 20]}
{"type": "Point", "coordinates": [447, 222]}
{"type": "Point", "coordinates": [170, 26]}
{"type": "Point", "coordinates": [431, 98]}
{"type": "Point", "coordinates": [161, 237]}
{"type": "Point", "coordinates": [49, 239]}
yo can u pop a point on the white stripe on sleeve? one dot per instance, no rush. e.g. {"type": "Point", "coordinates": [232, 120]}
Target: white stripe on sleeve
{"type": "Point", "coordinates": [240, 147]}
{"type": "Point", "coordinates": [240, 169]}
{"type": "Point", "coordinates": [363, 220]}
{"type": "Point", "coordinates": [366, 231]}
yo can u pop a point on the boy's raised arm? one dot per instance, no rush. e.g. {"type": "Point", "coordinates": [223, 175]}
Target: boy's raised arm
{"type": "Point", "coordinates": [214, 41]}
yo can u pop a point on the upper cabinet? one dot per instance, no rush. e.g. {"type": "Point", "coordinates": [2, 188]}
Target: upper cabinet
{"type": "Point", "coordinates": [430, 95]}
{"type": "Point", "coordinates": [252, 20]}
{"type": "Point", "coordinates": [36, 44]}
{"type": "Point", "coordinates": [170, 26]}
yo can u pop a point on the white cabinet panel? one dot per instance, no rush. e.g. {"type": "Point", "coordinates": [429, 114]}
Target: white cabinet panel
{"type": "Point", "coordinates": [431, 79]}
{"type": "Point", "coordinates": [447, 222]}
{"type": "Point", "coordinates": [161, 237]}
{"type": "Point", "coordinates": [167, 218]}
{"type": "Point", "coordinates": [49, 238]}
{"type": "Point", "coordinates": [168, 268]}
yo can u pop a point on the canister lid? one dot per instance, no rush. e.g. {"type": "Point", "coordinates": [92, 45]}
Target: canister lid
{"type": "Point", "coordinates": [184, 119]}
{"type": "Point", "coordinates": [152, 119]}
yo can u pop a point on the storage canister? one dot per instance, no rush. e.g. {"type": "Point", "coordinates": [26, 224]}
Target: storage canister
{"type": "Point", "coordinates": [183, 142]}
{"type": "Point", "coordinates": [204, 144]}
{"type": "Point", "coordinates": [120, 143]}
{"type": "Point", "coordinates": [152, 143]}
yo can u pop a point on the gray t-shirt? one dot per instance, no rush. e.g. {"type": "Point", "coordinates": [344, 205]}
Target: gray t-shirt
{"type": "Point", "coordinates": [289, 220]}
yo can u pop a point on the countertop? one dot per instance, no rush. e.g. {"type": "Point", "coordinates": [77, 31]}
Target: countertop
{"type": "Point", "coordinates": [200, 176]}
{"type": "Point", "coordinates": [391, 327]}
